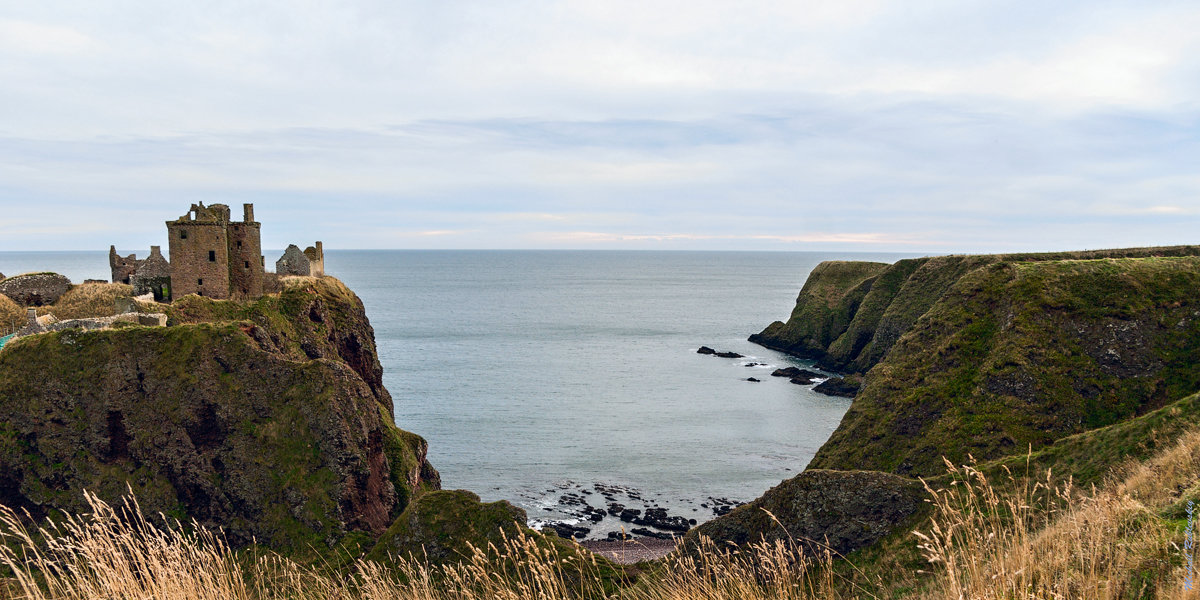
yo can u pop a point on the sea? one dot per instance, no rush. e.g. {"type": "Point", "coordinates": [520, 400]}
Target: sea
{"type": "Point", "coordinates": [567, 382]}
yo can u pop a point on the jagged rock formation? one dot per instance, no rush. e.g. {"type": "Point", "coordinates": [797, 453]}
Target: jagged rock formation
{"type": "Point", "coordinates": [35, 289]}
{"type": "Point", "coordinates": [267, 419]}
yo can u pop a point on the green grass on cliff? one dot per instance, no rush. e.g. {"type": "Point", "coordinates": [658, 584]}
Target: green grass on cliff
{"type": "Point", "coordinates": [255, 417]}
{"type": "Point", "coordinates": [866, 328]}
{"type": "Point", "coordinates": [1026, 353]}
{"type": "Point", "coordinates": [825, 307]}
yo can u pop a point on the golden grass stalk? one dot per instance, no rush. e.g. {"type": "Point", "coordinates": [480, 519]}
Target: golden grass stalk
{"type": "Point", "coordinates": [1044, 540]}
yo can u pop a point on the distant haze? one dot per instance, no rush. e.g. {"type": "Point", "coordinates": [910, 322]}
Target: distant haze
{"type": "Point", "coordinates": [914, 126]}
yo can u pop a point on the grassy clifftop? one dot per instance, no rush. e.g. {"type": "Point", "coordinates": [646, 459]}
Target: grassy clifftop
{"type": "Point", "coordinates": [267, 419]}
{"type": "Point", "coordinates": [846, 331]}
{"type": "Point", "coordinates": [1018, 353]}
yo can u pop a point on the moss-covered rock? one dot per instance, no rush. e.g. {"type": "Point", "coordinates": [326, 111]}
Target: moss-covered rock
{"type": "Point", "coordinates": [267, 419]}
{"type": "Point", "coordinates": [444, 526]}
{"type": "Point", "coordinates": [827, 303]}
{"type": "Point", "coordinates": [841, 510]}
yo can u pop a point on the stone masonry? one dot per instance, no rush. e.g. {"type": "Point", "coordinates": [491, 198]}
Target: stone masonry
{"type": "Point", "coordinates": [153, 276]}
{"type": "Point", "coordinates": [35, 289]}
{"type": "Point", "coordinates": [306, 263]}
{"type": "Point", "coordinates": [213, 256]}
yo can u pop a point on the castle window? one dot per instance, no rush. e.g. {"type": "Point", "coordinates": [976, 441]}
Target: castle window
{"type": "Point", "coordinates": [212, 256]}
{"type": "Point", "coordinates": [247, 264]}
{"type": "Point", "coordinates": [200, 282]}
{"type": "Point", "coordinates": [183, 234]}
{"type": "Point", "coordinates": [239, 243]}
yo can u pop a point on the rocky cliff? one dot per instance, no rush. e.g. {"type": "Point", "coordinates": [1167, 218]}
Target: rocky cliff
{"type": "Point", "coordinates": [1075, 362]}
{"type": "Point", "coordinates": [850, 314]}
{"type": "Point", "coordinates": [268, 419]}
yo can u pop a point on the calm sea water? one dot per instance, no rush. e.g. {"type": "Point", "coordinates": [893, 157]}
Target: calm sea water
{"type": "Point", "coordinates": [539, 376]}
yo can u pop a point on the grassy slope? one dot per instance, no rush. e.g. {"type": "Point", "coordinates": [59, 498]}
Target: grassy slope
{"type": "Point", "coordinates": [1091, 458]}
{"type": "Point", "coordinates": [1022, 353]}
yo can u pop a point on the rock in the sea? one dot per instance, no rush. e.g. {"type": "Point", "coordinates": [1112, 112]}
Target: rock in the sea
{"type": "Point", "coordinates": [567, 530]}
{"type": "Point", "coordinates": [35, 289]}
{"type": "Point", "coordinates": [629, 515]}
{"type": "Point", "coordinates": [802, 380]}
{"type": "Point", "coordinates": [729, 355]}
{"type": "Point", "coordinates": [659, 519]}
{"type": "Point", "coordinates": [793, 372]}
{"type": "Point", "coordinates": [706, 350]}
{"type": "Point", "coordinates": [848, 509]}
{"type": "Point", "coordinates": [837, 386]}
{"type": "Point", "coordinates": [753, 379]}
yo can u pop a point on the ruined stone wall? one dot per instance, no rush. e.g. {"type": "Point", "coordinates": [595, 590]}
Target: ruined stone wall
{"type": "Point", "coordinates": [35, 289]}
{"type": "Point", "coordinates": [245, 256]}
{"type": "Point", "coordinates": [316, 259]}
{"type": "Point", "coordinates": [122, 266]}
{"type": "Point", "coordinates": [199, 258]}
{"type": "Point", "coordinates": [153, 277]}
{"type": "Point", "coordinates": [293, 262]}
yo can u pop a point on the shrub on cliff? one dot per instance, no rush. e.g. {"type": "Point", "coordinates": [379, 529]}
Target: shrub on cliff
{"type": "Point", "coordinates": [12, 315]}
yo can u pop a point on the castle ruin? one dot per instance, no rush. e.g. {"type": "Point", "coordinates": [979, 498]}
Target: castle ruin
{"type": "Point", "coordinates": [211, 255]}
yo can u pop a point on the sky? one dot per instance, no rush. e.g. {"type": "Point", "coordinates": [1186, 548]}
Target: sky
{"type": "Point", "coordinates": [926, 126]}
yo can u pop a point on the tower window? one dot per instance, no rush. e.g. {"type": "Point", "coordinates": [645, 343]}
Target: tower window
{"type": "Point", "coordinates": [212, 256]}
{"type": "Point", "coordinates": [247, 264]}
{"type": "Point", "coordinates": [239, 243]}
{"type": "Point", "coordinates": [183, 234]}
{"type": "Point", "coordinates": [200, 281]}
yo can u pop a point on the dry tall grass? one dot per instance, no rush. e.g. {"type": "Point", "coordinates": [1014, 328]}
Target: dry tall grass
{"type": "Point", "coordinates": [119, 553]}
{"type": "Point", "coordinates": [1047, 541]}
{"type": "Point", "coordinates": [1040, 540]}
{"type": "Point", "coordinates": [12, 316]}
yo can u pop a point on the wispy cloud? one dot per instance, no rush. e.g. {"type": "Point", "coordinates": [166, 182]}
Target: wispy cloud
{"type": "Point", "coordinates": [915, 125]}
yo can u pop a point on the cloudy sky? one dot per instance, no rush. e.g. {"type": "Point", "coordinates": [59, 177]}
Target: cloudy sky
{"type": "Point", "coordinates": [914, 125]}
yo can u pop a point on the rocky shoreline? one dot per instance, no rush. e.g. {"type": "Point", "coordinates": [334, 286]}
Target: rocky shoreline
{"type": "Point", "coordinates": [609, 512]}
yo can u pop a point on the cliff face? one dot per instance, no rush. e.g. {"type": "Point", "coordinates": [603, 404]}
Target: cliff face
{"type": "Point", "coordinates": [850, 329]}
{"type": "Point", "coordinates": [266, 419]}
{"type": "Point", "coordinates": [1020, 353]}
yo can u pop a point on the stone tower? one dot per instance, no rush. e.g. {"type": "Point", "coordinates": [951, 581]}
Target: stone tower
{"type": "Point", "coordinates": [212, 256]}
